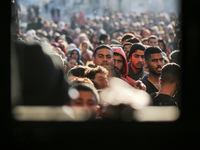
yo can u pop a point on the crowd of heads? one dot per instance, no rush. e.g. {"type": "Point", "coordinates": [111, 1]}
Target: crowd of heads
{"type": "Point", "coordinates": [128, 48]}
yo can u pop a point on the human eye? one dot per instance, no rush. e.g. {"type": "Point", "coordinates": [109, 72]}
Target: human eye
{"type": "Point", "coordinates": [100, 56]}
{"type": "Point", "coordinates": [108, 56]}
{"type": "Point", "coordinates": [100, 79]}
{"type": "Point", "coordinates": [91, 103]}
{"type": "Point", "coordinates": [77, 102]}
{"type": "Point", "coordinates": [136, 56]}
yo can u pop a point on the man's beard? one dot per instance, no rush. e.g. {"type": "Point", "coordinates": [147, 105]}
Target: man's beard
{"type": "Point", "coordinates": [117, 69]}
{"type": "Point", "coordinates": [153, 71]}
{"type": "Point", "coordinates": [138, 66]}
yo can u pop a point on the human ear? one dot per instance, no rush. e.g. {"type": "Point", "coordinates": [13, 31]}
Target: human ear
{"type": "Point", "coordinates": [129, 59]}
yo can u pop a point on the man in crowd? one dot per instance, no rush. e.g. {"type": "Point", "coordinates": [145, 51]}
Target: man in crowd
{"type": "Point", "coordinates": [136, 59]}
{"type": "Point", "coordinates": [84, 95]}
{"type": "Point", "coordinates": [170, 83]}
{"type": "Point", "coordinates": [153, 40]}
{"type": "Point", "coordinates": [154, 61]}
{"type": "Point", "coordinates": [103, 56]}
{"type": "Point", "coordinates": [121, 64]}
{"type": "Point", "coordinates": [126, 47]}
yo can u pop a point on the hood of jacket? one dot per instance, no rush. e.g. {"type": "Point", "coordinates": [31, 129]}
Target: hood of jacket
{"type": "Point", "coordinates": [125, 68]}
{"type": "Point", "coordinates": [79, 53]}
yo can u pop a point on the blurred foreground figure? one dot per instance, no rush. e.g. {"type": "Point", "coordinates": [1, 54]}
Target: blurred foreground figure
{"type": "Point", "coordinates": [37, 75]}
{"type": "Point", "coordinates": [120, 100]}
{"type": "Point", "coordinates": [83, 95]}
{"type": "Point", "coordinates": [98, 76]}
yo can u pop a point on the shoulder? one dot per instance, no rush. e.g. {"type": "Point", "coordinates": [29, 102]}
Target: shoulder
{"type": "Point", "coordinates": [163, 100]}
{"type": "Point", "coordinates": [130, 80]}
{"type": "Point", "coordinates": [144, 79]}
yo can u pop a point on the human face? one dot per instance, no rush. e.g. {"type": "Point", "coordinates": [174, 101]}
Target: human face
{"type": "Point", "coordinates": [137, 59]}
{"type": "Point", "coordinates": [95, 38]}
{"type": "Point", "coordinates": [118, 62]}
{"type": "Point", "coordinates": [101, 80]}
{"type": "Point", "coordinates": [71, 63]}
{"type": "Point", "coordinates": [75, 55]}
{"type": "Point", "coordinates": [145, 34]}
{"type": "Point", "coordinates": [84, 47]}
{"type": "Point", "coordinates": [155, 63]}
{"type": "Point", "coordinates": [104, 58]}
{"type": "Point", "coordinates": [87, 101]}
{"type": "Point", "coordinates": [127, 49]}
{"type": "Point", "coordinates": [153, 42]}
{"type": "Point", "coordinates": [145, 43]}
{"type": "Point", "coordinates": [107, 40]}
{"type": "Point", "coordinates": [160, 44]}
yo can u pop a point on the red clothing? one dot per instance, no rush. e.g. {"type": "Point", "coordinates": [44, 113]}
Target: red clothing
{"type": "Point", "coordinates": [61, 46]}
{"type": "Point", "coordinates": [125, 68]}
{"type": "Point", "coordinates": [85, 57]}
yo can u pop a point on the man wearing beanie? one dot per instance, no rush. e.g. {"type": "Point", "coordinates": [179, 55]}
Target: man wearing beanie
{"type": "Point", "coordinates": [136, 61]}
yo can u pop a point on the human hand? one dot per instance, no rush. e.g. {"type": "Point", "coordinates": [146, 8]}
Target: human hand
{"type": "Point", "coordinates": [140, 85]}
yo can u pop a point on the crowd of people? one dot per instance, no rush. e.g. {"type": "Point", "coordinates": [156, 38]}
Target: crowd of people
{"type": "Point", "coordinates": [105, 65]}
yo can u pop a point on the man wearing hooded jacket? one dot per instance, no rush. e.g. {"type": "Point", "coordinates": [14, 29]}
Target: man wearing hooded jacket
{"type": "Point", "coordinates": [121, 65]}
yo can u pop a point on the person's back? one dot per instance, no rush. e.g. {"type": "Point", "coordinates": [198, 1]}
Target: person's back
{"type": "Point", "coordinates": [170, 84]}
{"type": "Point", "coordinates": [41, 77]}
{"type": "Point", "coordinates": [164, 100]}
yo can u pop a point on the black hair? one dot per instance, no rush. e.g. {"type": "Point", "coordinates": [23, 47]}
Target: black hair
{"type": "Point", "coordinates": [151, 50]}
{"type": "Point", "coordinates": [152, 37]}
{"type": "Point", "coordinates": [175, 56]}
{"type": "Point", "coordinates": [77, 71]}
{"type": "Point", "coordinates": [91, 72]}
{"type": "Point", "coordinates": [136, 46]}
{"type": "Point", "coordinates": [171, 73]}
{"type": "Point", "coordinates": [164, 44]}
{"type": "Point", "coordinates": [101, 47]}
{"type": "Point", "coordinates": [127, 36]}
{"type": "Point", "coordinates": [133, 40]}
{"type": "Point", "coordinates": [103, 37]}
